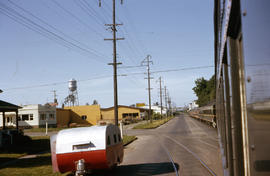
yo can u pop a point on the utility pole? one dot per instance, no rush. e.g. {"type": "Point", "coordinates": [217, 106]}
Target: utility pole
{"type": "Point", "coordinates": [165, 89]}
{"type": "Point", "coordinates": [160, 91]}
{"type": "Point", "coordinates": [169, 102]}
{"type": "Point", "coordinates": [54, 96]}
{"type": "Point", "coordinates": [146, 62]}
{"type": "Point", "coordinates": [115, 63]}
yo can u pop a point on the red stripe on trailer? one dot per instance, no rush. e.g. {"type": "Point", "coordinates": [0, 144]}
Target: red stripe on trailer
{"type": "Point", "coordinates": [93, 160]}
{"type": "Point", "coordinates": [96, 159]}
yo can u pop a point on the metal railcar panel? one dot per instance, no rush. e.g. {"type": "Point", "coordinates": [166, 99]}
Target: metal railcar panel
{"type": "Point", "coordinates": [256, 46]}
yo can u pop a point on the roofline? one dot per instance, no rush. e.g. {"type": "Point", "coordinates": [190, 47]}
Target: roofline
{"type": "Point", "coordinates": [124, 107]}
{"type": "Point", "coordinates": [8, 106]}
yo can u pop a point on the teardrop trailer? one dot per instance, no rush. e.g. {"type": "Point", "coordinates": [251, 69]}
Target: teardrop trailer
{"type": "Point", "coordinates": [86, 148]}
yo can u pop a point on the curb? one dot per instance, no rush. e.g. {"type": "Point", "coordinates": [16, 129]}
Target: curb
{"type": "Point", "coordinates": [130, 141]}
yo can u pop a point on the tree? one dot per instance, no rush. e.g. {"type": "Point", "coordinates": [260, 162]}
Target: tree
{"type": "Point", "coordinates": [204, 90]}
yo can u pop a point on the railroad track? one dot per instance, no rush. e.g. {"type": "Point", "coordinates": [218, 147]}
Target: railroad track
{"type": "Point", "coordinates": [171, 159]}
{"type": "Point", "coordinates": [211, 172]}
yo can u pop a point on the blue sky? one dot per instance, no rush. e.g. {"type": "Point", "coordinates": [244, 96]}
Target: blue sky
{"type": "Point", "coordinates": [177, 34]}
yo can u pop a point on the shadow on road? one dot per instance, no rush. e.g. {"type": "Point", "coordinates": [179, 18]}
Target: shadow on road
{"type": "Point", "coordinates": [139, 170]}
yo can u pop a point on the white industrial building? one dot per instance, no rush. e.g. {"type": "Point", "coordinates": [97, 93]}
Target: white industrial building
{"type": "Point", "coordinates": [31, 116]}
{"type": "Point", "coordinates": [156, 109]}
{"type": "Point", "coordinates": [192, 105]}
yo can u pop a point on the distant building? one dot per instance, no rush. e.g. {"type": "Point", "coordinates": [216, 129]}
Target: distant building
{"type": "Point", "coordinates": [156, 109]}
{"type": "Point", "coordinates": [87, 115]}
{"type": "Point", "coordinates": [192, 105]}
{"type": "Point", "coordinates": [93, 114]}
{"type": "Point", "coordinates": [124, 113]}
{"type": "Point", "coordinates": [32, 116]}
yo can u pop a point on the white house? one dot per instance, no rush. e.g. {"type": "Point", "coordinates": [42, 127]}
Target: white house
{"type": "Point", "coordinates": [156, 109]}
{"type": "Point", "coordinates": [32, 116]}
{"type": "Point", "coordinates": [192, 105]}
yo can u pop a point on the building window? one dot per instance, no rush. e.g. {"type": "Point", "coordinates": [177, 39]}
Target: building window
{"type": "Point", "coordinates": [84, 117]}
{"type": "Point", "coordinates": [124, 115]}
{"type": "Point", "coordinates": [31, 117]}
{"type": "Point", "coordinates": [42, 116]}
{"type": "Point", "coordinates": [25, 117]}
{"type": "Point", "coordinates": [135, 114]}
{"type": "Point", "coordinates": [19, 118]}
{"type": "Point", "coordinates": [51, 116]}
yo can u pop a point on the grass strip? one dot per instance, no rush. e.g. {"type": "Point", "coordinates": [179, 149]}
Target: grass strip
{"type": "Point", "coordinates": [41, 130]}
{"type": "Point", "coordinates": [40, 165]}
{"type": "Point", "coordinates": [32, 145]}
{"type": "Point", "coordinates": [154, 124]}
{"type": "Point", "coordinates": [128, 139]}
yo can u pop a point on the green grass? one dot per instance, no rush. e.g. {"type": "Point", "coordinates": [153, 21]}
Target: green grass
{"type": "Point", "coordinates": [41, 165]}
{"type": "Point", "coordinates": [42, 129]}
{"type": "Point", "coordinates": [28, 146]}
{"type": "Point", "coordinates": [154, 124]}
{"type": "Point", "coordinates": [128, 139]}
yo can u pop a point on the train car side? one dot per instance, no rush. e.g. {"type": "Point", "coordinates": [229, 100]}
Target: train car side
{"type": "Point", "coordinates": [205, 114]}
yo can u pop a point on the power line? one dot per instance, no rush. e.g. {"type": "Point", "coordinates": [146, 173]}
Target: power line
{"type": "Point", "coordinates": [146, 62]}
{"type": "Point", "coordinates": [124, 67]}
{"type": "Point", "coordinates": [57, 83]}
{"type": "Point", "coordinates": [115, 63]}
{"type": "Point", "coordinates": [102, 76]}
{"type": "Point", "coordinates": [87, 11]}
{"type": "Point", "coordinates": [129, 41]}
{"type": "Point", "coordinates": [54, 28]}
{"type": "Point", "coordinates": [30, 24]}
{"type": "Point", "coordinates": [76, 18]}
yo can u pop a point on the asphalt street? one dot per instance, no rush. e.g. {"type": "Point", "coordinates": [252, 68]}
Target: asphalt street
{"type": "Point", "coordinates": [183, 146]}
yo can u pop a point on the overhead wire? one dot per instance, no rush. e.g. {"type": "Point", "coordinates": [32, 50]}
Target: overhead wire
{"type": "Point", "coordinates": [90, 8]}
{"type": "Point", "coordinates": [86, 10]}
{"type": "Point", "coordinates": [128, 41]}
{"type": "Point", "coordinates": [54, 28]}
{"type": "Point", "coordinates": [77, 18]}
{"type": "Point", "coordinates": [30, 24]}
{"type": "Point", "coordinates": [105, 76]}
{"type": "Point", "coordinates": [136, 34]}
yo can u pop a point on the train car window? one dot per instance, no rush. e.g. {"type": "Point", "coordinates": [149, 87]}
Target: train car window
{"type": "Point", "coordinates": [108, 140]}
{"type": "Point", "coordinates": [114, 137]}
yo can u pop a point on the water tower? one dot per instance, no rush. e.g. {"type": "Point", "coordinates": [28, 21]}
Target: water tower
{"type": "Point", "coordinates": [72, 98]}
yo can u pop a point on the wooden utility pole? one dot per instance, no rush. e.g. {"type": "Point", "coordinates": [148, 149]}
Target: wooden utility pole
{"type": "Point", "coordinates": [165, 89]}
{"type": "Point", "coordinates": [146, 62]}
{"type": "Point", "coordinates": [170, 107]}
{"type": "Point", "coordinates": [54, 96]}
{"type": "Point", "coordinates": [114, 30]}
{"type": "Point", "coordinates": [160, 91]}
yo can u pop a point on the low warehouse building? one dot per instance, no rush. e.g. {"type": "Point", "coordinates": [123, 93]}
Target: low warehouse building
{"type": "Point", "coordinates": [88, 114]}
{"type": "Point", "coordinates": [124, 113]}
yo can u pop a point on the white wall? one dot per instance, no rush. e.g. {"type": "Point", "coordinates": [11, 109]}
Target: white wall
{"type": "Point", "coordinates": [36, 110]}
{"type": "Point", "coordinates": [47, 110]}
{"type": "Point", "coordinates": [156, 109]}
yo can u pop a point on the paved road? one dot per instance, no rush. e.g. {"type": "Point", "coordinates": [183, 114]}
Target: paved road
{"type": "Point", "coordinates": [175, 146]}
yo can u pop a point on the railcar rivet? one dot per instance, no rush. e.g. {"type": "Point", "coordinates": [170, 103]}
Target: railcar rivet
{"type": "Point", "coordinates": [244, 13]}
{"type": "Point", "coordinates": [248, 79]}
{"type": "Point", "coordinates": [252, 147]}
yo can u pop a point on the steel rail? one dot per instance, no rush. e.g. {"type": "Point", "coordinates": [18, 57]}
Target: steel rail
{"type": "Point", "coordinates": [170, 157]}
{"type": "Point", "coordinates": [193, 154]}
